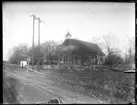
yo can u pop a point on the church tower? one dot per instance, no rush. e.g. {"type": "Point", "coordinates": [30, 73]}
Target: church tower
{"type": "Point", "coordinates": [68, 36]}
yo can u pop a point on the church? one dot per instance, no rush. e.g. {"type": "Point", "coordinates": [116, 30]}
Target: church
{"type": "Point", "coordinates": [80, 52]}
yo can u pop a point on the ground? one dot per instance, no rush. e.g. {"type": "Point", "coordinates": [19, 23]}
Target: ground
{"type": "Point", "coordinates": [33, 88]}
{"type": "Point", "coordinates": [102, 86]}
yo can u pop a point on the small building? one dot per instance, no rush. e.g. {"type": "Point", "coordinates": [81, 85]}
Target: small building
{"type": "Point", "coordinates": [23, 63]}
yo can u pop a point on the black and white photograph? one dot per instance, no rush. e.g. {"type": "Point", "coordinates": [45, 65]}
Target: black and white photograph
{"type": "Point", "coordinates": [68, 52]}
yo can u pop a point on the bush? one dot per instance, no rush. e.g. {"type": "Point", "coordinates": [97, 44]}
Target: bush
{"type": "Point", "coordinates": [113, 59]}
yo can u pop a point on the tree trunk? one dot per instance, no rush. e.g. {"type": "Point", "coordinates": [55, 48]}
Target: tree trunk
{"type": "Point", "coordinates": [38, 65]}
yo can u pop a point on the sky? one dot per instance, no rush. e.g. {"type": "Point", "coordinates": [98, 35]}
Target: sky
{"type": "Point", "coordinates": [84, 21]}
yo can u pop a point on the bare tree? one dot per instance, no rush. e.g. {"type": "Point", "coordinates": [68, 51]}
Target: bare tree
{"type": "Point", "coordinates": [131, 50]}
{"type": "Point", "coordinates": [106, 43]}
{"type": "Point", "coordinates": [49, 49]}
{"type": "Point", "coordinates": [18, 53]}
{"type": "Point", "coordinates": [37, 55]}
{"type": "Point", "coordinates": [110, 44]}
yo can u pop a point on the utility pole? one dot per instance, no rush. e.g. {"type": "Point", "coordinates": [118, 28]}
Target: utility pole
{"type": "Point", "coordinates": [39, 21]}
{"type": "Point", "coordinates": [34, 17]}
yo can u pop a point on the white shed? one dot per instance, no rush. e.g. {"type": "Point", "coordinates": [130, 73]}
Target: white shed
{"type": "Point", "coordinates": [23, 63]}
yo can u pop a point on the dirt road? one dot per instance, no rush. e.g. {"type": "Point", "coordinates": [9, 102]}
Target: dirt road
{"type": "Point", "coordinates": [36, 88]}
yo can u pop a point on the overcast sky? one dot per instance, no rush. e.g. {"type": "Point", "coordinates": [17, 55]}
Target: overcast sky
{"type": "Point", "coordinates": [84, 20]}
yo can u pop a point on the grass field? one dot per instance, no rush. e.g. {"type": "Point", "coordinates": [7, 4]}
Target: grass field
{"type": "Point", "coordinates": [10, 89]}
{"type": "Point", "coordinates": [110, 86]}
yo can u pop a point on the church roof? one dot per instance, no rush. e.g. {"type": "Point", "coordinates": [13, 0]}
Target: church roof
{"type": "Point", "coordinates": [82, 47]}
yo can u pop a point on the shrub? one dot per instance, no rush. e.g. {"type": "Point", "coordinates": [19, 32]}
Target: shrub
{"type": "Point", "coordinates": [113, 59]}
